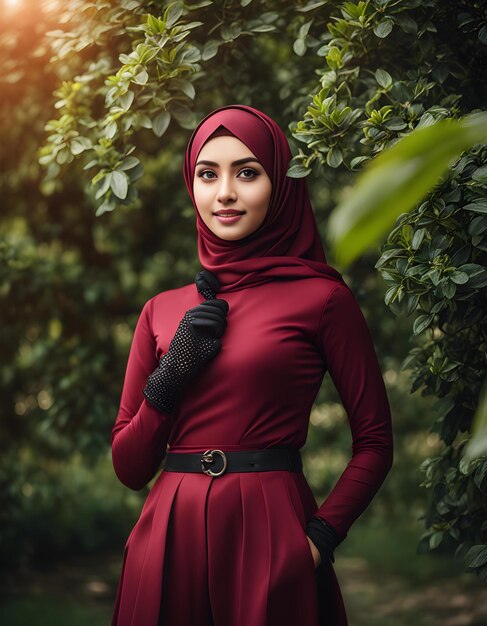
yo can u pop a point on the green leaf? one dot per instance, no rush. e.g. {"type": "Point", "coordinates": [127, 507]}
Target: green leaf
{"type": "Point", "coordinates": [357, 160]}
{"type": "Point", "coordinates": [480, 174]}
{"type": "Point", "coordinates": [91, 164]}
{"type": "Point", "coordinates": [397, 179]}
{"type": "Point", "coordinates": [227, 33]}
{"type": "Point", "coordinates": [191, 55]}
{"type": "Point", "coordinates": [310, 7]}
{"type": "Point", "coordinates": [460, 278]}
{"type": "Point", "coordinates": [448, 289]}
{"type": "Point", "coordinates": [136, 172]}
{"type": "Point", "coordinates": [391, 294]}
{"type": "Point", "coordinates": [334, 58]}
{"type": "Point", "coordinates": [185, 86]}
{"type": "Point", "coordinates": [64, 156]}
{"type": "Point", "coordinates": [383, 78]}
{"type": "Point", "coordinates": [395, 123]}
{"type": "Point", "coordinates": [174, 13]}
{"type": "Point", "coordinates": [407, 23]}
{"type": "Point", "coordinates": [79, 145]}
{"type": "Point", "coordinates": [480, 475]}
{"type": "Point", "coordinates": [424, 545]}
{"type": "Point", "coordinates": [478, 281]}
{"type": "Point", "coordinates": [298, 171]}
{"type": "Point", "coordinates": [472, 269]}
{"type": "Point", "coordinates": [418, 238]}
{"type": "Point", "coordinates": [263, 28]}
{"type": "Point", "coordinates": [412, 300]}
{"type": "Point", "coordinates": [153, 22]}
{"type": "Point", "coordinates": [421, 323]}
{"type": "Point", "coordinates": [126, 100]}
{"type": "Point", "coordinates": [141, 78]}
{"type": "Point", "coordinates": [119, 184]}
{"type": "Point", "coordinates": [160, 123]}
{"type": "Point", "coordinates": [476, 556]}
{"type": "Point", "coordinates": [210, 49]}
{"type": "Point", "coordinates": [104, 186]}
{"type": "Point", "coordinates": [334, 157]}
{"type": "Point", "coordinates": [466, 466]}
{"type": "Point", "coordinates": [107, 205]}
{"type": "Point", "coordinates": [407, 232]}
{"type": "Point", "coordinates": [129, 163]}
{"type": "Point", "coordinates": [435, 539]}
{"type": "Point", "coordinates": [183, 114]}
{"type": "Point", "coordinates": [299, 47]}
{"type": "Point", "coordinates": [143, 120]}
{"type": "Point", "coordinates": [110, 130]}
{"type": "Point", "coordinates": [383, 28]}
{"type": "Point", "coordinates": [304, 29]}
{"type": "Point", "coordinates": [130, 5]}
{"type": "Point", "coordinates": [477, 226]}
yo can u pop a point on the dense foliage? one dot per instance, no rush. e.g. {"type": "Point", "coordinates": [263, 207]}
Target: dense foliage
{"type": "Point", "coordinates": [100, 98]}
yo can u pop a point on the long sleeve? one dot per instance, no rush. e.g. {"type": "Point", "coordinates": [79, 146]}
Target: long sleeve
{"type": "Point", "coordinates": [347, 348]}
{"type": "Point", "coordinates": [140, 433]}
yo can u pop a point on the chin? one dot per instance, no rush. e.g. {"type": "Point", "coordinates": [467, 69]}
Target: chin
{"type": "Point", "coordinates": [231, 237]}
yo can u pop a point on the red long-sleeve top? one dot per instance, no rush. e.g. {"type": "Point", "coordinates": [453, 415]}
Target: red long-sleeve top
{"type": "Point", "coordinates": [281, 339]}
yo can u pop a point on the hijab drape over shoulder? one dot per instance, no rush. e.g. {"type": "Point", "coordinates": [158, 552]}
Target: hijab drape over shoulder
{"type": "Point", "coordinates": [287, 243]}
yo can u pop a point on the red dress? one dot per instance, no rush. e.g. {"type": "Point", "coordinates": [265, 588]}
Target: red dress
{"type": "Point", "coordinates": [241, 536]}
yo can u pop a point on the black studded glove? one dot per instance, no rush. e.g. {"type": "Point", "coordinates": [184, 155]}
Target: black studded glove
{"type": "Point", "coordinates": [196, 341]}
{"type": "Point", "coordinates": [207, 284]}
{"type": "Point", "coordinates": [324, 537]}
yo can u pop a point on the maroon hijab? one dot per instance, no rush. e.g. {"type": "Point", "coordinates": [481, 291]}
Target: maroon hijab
{"type": "Point", "coordinates": [287, 244]}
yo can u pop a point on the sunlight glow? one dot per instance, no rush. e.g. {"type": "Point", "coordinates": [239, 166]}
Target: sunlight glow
{"type": "Point", "coordinates": [13, 6]}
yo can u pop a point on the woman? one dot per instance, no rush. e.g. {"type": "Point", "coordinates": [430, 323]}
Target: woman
{"type": "Point", "coordinates": [220, 381]}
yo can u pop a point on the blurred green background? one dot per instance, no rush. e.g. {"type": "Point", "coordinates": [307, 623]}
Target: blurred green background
{"type": "Point", "coordinates": [98, 102]}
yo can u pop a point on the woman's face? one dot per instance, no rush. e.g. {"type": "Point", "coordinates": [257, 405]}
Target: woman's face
{"type": "Point", "coordinates": [221, 184]}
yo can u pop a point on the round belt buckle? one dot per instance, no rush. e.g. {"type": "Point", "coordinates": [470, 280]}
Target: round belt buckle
{"type": "Point", "coordinates": [208, 458]}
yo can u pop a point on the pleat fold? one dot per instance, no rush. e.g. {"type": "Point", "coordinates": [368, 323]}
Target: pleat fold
{"type": "Point", "coordinates": [238, 542]}
{"type": "Point", "coordinates": [140, 580]}
{"type": "Point", "coordinates": [259, 559]}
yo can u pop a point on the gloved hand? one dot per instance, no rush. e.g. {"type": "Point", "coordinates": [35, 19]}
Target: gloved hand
{"type": "Point", "coordinates": [207, 284]}
{"type": "Point", "coordinates": [196, 341]}
{"type": "Point", "coordinates": [325, 538]}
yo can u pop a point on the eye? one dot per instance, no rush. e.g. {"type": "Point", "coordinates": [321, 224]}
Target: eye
{"type": "Point", "coordinates": [201, 174]}
{"type": "Point", "coordinates": [249, 169]}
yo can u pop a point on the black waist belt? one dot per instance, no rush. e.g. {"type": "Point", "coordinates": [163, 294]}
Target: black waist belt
{"type": "Point", "coordinates": [216, 462]}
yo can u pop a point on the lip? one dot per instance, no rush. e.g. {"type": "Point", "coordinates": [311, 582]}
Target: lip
{"type": "Point", "coordinates": [228, 219]}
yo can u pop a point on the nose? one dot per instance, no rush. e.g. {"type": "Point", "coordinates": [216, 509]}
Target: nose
{"type": "Point", "coordinates": [226, 192]}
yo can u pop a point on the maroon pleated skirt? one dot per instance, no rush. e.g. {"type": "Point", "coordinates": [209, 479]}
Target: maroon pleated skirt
{"type": "Point", "coordinates": [226, 551]}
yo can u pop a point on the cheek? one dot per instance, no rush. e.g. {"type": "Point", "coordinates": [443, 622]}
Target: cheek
{"type": "Point", "coordinates": [201, 194]}
{"type": "Point", "coordinates": [259, 196]}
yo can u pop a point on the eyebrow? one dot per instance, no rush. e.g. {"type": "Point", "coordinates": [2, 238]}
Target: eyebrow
{"type": "Point", "coordinates": [238, 162]}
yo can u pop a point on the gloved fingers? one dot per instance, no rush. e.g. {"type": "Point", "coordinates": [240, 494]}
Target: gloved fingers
{"type": "Point", "coordinates": [201, 319]}
{"type": "Point", "coordinates": [218, 312]}
{"type": "Point", "coordinates": [216, 316]}
{"type": "Point", "coordinates": [206, 280]}
{"type": "Point", "coordinates": [210, 317]}
{"type": "Point", "coordinates": [209, 327]}
{"type": "Point", "coordinates": [212, 305]}
{"type": "Point", "coordinates": [207, 284]}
